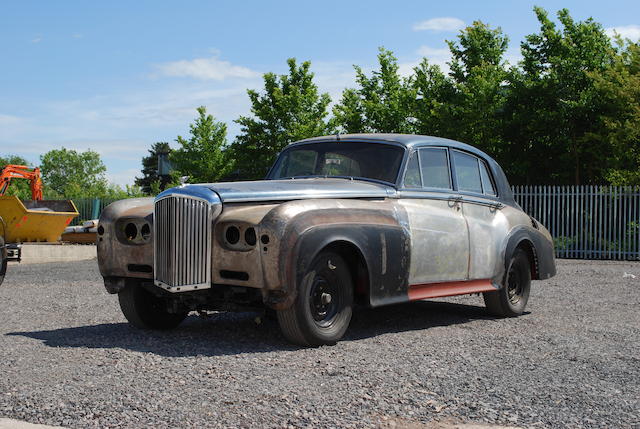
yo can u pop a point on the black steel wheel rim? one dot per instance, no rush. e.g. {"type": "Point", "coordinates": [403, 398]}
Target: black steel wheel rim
{"type": "Point", "coordinates": [324, 301]}
{"type": "Point", "coordinates": [514, 285]}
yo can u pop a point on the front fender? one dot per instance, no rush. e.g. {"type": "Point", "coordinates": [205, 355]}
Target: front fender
{"type": "Point", "coordinates": [306, 227]}
{"type": "Point", "coordinates": [116, 257]}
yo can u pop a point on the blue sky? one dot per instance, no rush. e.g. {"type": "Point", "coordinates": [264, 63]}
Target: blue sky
{"type": "Point", "coordinates": [117, 76]}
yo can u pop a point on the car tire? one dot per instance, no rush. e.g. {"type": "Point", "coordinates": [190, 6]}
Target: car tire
{"type": "Point", "coordinates": [511, 299]}
{"type": "Point", "coordinates": [3, 260]}
{"type": "Point", "coordinates": [146, 311]}
{"type": "Point", "coordinates": [321, 312]}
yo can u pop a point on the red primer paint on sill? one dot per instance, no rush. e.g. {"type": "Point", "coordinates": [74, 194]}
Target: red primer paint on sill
{"type": "Point", "coordinates": [438, 290]}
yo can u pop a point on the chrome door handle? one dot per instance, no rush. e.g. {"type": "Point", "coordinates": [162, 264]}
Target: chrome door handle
{"type": "Point", "coordinates": [455, 202]}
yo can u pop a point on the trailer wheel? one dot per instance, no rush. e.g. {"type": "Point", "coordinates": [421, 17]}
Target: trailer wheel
{"type": "Point", "coordinates": [146, 311]}
{"type": "Point", "coordinates": [3, 260]}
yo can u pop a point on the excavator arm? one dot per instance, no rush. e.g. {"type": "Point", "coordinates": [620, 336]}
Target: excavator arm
{"type": "Point", "coordinates": [22, 172]}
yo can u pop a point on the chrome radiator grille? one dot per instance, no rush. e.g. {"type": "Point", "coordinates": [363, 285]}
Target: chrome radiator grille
{"type": "Point", "coordinates": [182, 243]}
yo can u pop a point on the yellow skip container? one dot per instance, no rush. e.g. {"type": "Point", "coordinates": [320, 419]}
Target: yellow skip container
{"type": "Point", "coordinates": [32, 221]}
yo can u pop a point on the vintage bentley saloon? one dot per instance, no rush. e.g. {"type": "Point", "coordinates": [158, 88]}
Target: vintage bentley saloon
{"type": "Point", "coordinates": [344, 220]}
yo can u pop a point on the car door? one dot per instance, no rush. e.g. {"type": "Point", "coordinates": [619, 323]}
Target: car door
{"type": "Point", "coordinates": [439, 235]}
{"type": "Point", "coordinates": [486, 223]}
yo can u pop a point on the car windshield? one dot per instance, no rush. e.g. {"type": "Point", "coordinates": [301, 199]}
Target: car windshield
{"type": "Point", "coordinates": [373, 161]}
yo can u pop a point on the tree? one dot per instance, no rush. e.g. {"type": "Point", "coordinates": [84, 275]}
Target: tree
{"type": "Point", "coordinates": [478, 71]}
{"type": "Point", "coordinates": [477, 47]}
{"type": "Point", "coordinates": [435, 95]}
{"type": "Point", "coordinates": [290, 108]}
{"type": "Point", "coordinates": [202, 156]}
{"type": "Point", "coordinates": [150, 169]}
{"type": "Point", "coordinates": [381, 103]}
{"type": "Point", "coordinates": [467, 104]}
{"type": "Point", "coordinates": [551, 116]}
{"type": "Point", "coordinates": [20, 188]}
{"type": "Point", "coordinates": [618, 101]}
{"type": "Point", "coordinates": [70, 174]}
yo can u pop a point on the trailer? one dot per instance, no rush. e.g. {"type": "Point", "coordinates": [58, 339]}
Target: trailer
{"type": "Point", "coordinates": [34, 220]}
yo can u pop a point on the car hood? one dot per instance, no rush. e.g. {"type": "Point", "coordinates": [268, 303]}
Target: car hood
{"type": "Point", "coordinates": [296, 189]}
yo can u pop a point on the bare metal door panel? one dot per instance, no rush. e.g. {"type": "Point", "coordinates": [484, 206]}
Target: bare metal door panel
{"type": "Point", "coordinates": [487, 229]}
{"type": "Point", "coordinates": [439, 240]}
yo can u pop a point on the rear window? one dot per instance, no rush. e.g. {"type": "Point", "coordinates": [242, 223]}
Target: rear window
{"type": "Point", "coordinates": [487, 183]}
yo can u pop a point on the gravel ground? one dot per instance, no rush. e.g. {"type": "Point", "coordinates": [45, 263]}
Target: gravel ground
{"type": "Point", "coordinates": [68, 358]}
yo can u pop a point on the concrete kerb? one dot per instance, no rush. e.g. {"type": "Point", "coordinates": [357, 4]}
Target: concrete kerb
{"type": "Point", "coordinates": [17, 424]}
{"type": "Point", "coordinates": [37, 253]}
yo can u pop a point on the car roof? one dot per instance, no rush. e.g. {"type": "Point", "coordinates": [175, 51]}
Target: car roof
{"type": "Point", "coordinates": [408, 140]}
{"type": "Point", "coordinates": [412, 140]}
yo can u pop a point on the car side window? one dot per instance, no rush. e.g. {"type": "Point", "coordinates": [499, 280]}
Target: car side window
{"type": "Point", "coordinates": [412, 176]}
{"type": "Point", "coordinates": [487, 182]}
{"type": "Point", "coordinates": [434, 166]}
{"type": "Point", "coordinates": [467, 172]}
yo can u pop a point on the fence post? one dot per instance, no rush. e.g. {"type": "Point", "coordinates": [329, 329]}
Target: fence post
{"type": "Point", "coordinates": [95, 213]}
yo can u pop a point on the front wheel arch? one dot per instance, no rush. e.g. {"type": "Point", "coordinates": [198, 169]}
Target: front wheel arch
{"type": "Point", "coordinates": [356, 263]}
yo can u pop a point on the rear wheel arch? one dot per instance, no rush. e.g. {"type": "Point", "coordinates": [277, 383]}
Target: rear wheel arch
{"type": "Point", "coordinates": [521, 239]}
{"type": "Point", "coordinates": [528, 247]}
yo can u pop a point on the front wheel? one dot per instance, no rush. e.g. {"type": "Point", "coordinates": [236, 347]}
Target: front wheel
{"type": "Point", "coordinates": [512, 299]}
{"type": "Point", "coordinates": [145, 310]}
{"type": "Point", "coordinates": [322, 310]}
{"type": "Point", "coordinates": [3, 260]}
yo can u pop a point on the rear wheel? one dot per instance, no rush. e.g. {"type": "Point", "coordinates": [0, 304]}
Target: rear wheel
{"type": "Point", "coordinates": [145, 310]}
{"type": "Point", "coordinates": [322, 310]}
{"type": "Point", "coordinates": [512, 299]}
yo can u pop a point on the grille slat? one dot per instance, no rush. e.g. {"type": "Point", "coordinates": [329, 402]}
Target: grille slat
{"type": "Point", "coordinates": [182, 235]}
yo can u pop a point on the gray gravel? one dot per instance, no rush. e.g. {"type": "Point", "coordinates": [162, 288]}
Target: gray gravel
{"type": "Point", "coordinates": [68, 358]}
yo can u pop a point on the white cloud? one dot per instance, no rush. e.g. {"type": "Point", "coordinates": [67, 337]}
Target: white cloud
{"type": "Point", "coordinates": [434, 53]}
{"type": "Point", "coordinates": [439, 24]}
{"type": "Point", "coordinates": [625, 31]}
{"type": "Point", "coordinates": [436, 56]}
{"type": "Point", "coordinates": [124, 177]}
{"type": "Point", "coordinates": [36, 39]}
{"type": "Point", "coordinates": [211, 68]}
{"type": "Point", "coordinates": [9, 119]}
{"type": "Point", "coordinates": [333, 78]}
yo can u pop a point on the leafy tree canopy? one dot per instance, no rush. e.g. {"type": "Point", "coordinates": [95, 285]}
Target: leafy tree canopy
{"type": "Point", "coordinates": [552, 98]}
{"type": "Point", "coordinates": [150, 180]}
{"type": "Point", "coordinates": [67, 173]}
{"type": "Point", "coordinates": [201, 156]}
{"type": "Point", "coordinates": [290, 108]}
{"type": "Point", "coordinates": [618, 99]}
{"type": "Point", "coordinates": [381, 103]}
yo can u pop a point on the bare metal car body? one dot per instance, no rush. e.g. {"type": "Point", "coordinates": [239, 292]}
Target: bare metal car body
{"type": "Point", "coordinates": [230, 245]}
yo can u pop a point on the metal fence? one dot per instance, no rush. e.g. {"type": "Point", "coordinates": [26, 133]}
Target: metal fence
{"type": "Point", "coordinates": [89, 208]}
{"type": "Point", "coordinates": [587, 222]}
